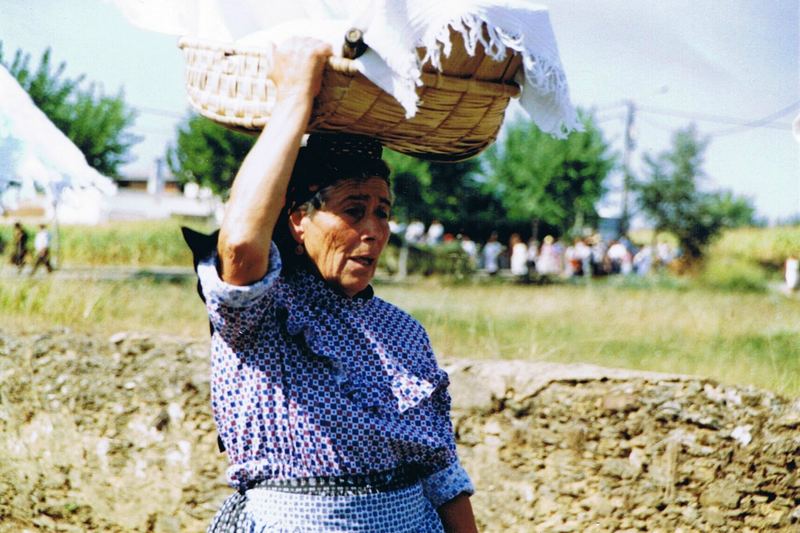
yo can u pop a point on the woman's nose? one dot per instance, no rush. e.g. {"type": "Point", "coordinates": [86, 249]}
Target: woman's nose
{"type": "Point", "coordinates": [373, 227]}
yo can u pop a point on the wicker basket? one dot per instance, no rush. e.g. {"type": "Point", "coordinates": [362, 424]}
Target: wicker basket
{"type": "Point", "coordinates": [461, 107]}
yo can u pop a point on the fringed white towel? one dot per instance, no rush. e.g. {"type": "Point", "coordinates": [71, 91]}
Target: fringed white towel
{"type": "Point", "coordinates": [393, 29]}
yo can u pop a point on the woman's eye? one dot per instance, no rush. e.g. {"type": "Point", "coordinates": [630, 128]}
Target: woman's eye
{"type": "Point", "coordinates": [355, 212]}
{"type": "Point", "coordinates": [382, 213]}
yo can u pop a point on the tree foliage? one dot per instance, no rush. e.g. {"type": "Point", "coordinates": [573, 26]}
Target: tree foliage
{"type": "Point", "coordinates": [533, 176]}
{"type": "Point", "coordinates": [208, 154]}
{"type": "Point", "coordinates": [96, 123]}
{"type": "Point", "coordinates": [734, 211]}
{"type": "Point", "coordinates": [452, 193]}
{"type": "Point", "coordinates": [539, 179]}
{"type": "Point", "coordinates": [671, 196]}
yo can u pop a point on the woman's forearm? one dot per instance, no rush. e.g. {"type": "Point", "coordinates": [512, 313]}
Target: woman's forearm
{"type": "Point", "coordinates": [456, 515]}
{"type": "Point", "coordinates": [259, 189]}
{"type": "Point", "coordinates": [258, 193]}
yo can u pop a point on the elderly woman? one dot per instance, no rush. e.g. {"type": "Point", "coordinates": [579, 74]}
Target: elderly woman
{"type": "Point", "coordinates": [328, 400]}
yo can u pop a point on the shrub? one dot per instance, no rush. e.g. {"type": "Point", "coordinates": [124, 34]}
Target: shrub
{"type": "Point", "coordinates": [445, 260]}
{"type": "Point", "coordinates": [735, 274]}
{"type": "Point", "coordinates": [766, 246]}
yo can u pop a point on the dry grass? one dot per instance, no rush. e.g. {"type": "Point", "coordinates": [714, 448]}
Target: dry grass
{"type": "Point", "coordinates": [740, 338]}
{"type": "Point", "coordinates": [733, 337]}
{"type": "Point", "coordinates": [102, 306]}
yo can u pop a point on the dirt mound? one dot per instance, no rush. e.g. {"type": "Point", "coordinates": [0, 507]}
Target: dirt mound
{"type": "Point", "coordinates": [579, 448]}
{"type": "Point", "coordinates": [116, 435]}
{"type": "Point", "coordinates": [106, 435]}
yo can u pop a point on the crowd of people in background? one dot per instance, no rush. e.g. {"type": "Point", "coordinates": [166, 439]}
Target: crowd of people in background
{"type": "Point", "coordinates": [561, 258]}
{"type": "Point", "coordinates": [551, 258]}
{"type": "Point", "coordinates": [20, 248]}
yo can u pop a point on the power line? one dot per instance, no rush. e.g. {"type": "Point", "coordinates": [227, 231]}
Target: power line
{"type": "Point", "coordinates": [758, 122]}
{"type": "Point", "coordinates": [721, 119]}
{"type": "Point", "coordinates": [166, 113]}
{"type": "Point", "coordinates": [657, 124]}
{"type": "Point", "coordinates": [159, 133]}
{"type": "Point", "coordinates": [616, 116]}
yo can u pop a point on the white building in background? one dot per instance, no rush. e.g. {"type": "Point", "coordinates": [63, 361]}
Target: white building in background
{"type": "Point", "coordinates": [158, 195]}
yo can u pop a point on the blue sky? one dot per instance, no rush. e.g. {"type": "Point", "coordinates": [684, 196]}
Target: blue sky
{"type": "Point", "coordinates": [720, 64]}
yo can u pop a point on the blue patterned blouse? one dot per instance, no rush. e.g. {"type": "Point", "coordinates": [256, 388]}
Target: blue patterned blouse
{"type": "Point", "coordinates": [309, 383]}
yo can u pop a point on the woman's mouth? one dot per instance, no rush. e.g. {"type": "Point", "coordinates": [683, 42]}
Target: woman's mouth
{"type": "Point", "coordinates": [363, 260]}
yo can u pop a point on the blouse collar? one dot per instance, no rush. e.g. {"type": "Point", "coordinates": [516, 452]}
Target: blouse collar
{"type": "Point", "coordinates": [318, 291]}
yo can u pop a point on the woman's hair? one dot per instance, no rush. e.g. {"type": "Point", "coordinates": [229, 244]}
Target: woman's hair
{"type": "Point", "coordinates": [326, 160]}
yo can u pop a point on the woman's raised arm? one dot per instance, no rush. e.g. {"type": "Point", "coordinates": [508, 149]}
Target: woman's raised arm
{"type": "Point", "coordinates": [259, 189]}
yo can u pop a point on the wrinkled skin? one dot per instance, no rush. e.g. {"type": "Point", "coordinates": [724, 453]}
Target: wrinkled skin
{"type": "Point", "coordinates": [346, 236]}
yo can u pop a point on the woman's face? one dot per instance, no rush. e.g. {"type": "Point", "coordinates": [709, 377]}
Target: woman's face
{"type": "Point", "coordinates": [345, 237]}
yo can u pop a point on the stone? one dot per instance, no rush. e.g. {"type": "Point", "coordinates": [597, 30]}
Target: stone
{"type": "Point", "coordinates": [167, 524]}
{"type": "Point", "coordinates": [721, 493]}
{"type": "Point", "coordinates": [619, 468]}
{"type": "Point", "coordinates": [714, 516]}
{"type": "Point", "coordinates": [776, 517]}
{"type": "Point", "coordinates": [598, 505]}
{"type": "Point", "coordinates": [789, 420]}
{"type": "Point", "coordinates": [117, 338]}
{"type": "Point", "coordinates": [620, 402]}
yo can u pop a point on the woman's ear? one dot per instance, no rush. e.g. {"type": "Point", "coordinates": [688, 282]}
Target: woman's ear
{"type": "Point", "coordinates": [296, 225]}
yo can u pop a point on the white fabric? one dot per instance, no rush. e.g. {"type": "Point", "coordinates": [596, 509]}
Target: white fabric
{"type": "Point", "coordinates": [519, 259]}
{"type": "Point", "coordinates": [35, 154]}
{"type": "Point", "coordinates": [792, 272]}
{"type": "Point", "coordinates": [392, 29]}
{"type": "Point", "coordinates": [42, 241]}
{"type": "Point", "coordinates": [491, 251]}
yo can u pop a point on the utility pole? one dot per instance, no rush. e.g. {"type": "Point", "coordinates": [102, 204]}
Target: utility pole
{"type": "Point", "coordinates": [630, 145]}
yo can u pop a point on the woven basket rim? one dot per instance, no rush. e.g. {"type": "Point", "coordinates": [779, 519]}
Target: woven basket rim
{"type": "Point", "coordinates": [344, 65]}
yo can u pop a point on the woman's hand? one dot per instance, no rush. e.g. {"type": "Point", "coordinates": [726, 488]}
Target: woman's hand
{"type": "Point", "coordinates": [259, 190]}
{"type": "Point", "coordinates": [456, 515]}
{"type": "Point", "coordinates": [297, 67]}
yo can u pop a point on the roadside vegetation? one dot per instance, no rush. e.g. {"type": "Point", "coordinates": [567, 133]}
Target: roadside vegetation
{"type": "Point", "coordinates": [727, 322]}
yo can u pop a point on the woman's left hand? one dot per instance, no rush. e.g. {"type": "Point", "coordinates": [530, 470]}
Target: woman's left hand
{"type": "Point", "coordinates": [456, 515]}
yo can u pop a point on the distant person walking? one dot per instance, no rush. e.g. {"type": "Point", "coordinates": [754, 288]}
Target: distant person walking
{"type": "Point", "coordinates": [792, 273]}
{"type": "Point", "coordinates": [435, 233]}
{"type": "Point", "coordinates": [41, 245]}
{"type": "Point", "coordinates": [549, 263]}
{"type": "Point", "coordinates": [20, 251]}
{"type": "Point", "coordinates": [471, 249]}
{"type": "Point", "coordinates": [519, 256]}
{"type": "Point", "coordinates": [491, 251]}
{"type": "Point", "coordinates": [533, 254]}
{"type": "Point", "coordinates": [415, 232]}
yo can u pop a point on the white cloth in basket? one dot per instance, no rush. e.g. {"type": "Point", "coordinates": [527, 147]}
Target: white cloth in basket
{"type": "Point", "coordinates": [393, 29]}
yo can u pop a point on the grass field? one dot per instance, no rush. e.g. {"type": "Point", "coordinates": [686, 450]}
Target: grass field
{"type": "Point", "coordinates": [148, 243]}
{"type": "Point", "coordinates": [734, 337]}
{"type": "Point", "coordinates": [140, 243]}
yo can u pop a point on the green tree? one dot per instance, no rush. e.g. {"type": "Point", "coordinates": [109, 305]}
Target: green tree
{"type": "Point", "coordinates": [208, 154]}
{"type": "Point", "coordinates": [734, 211]}
{"type": "Point", "coordinates": [671, 196]}
{"type": "Point", "coordinates": [410, 178]}
{"type": "Point", "coordinates": [449, 192]}
{"type": "Point", "coordinates": [542, 180]}
{"type": "Point", "coordinates": [96, 123]}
